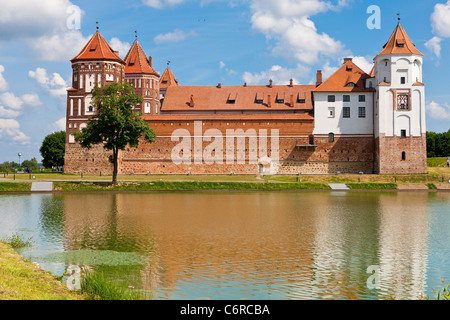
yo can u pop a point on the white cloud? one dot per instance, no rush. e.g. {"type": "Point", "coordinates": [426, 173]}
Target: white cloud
{"type": "Point", "coordinates": [437, 111]}
{"type": "Point", "coordinates": [59, 46]}
{"type": "Point", "coordinates": [53, 84]}
{"type": "Point", "coordinates": [364, 63]}
{"type": "Point", "coordinates": [222, 66]}
{"type": "Point", "coordinates": [277, 74]}
{"type": "Point", "coordinates": [58, 125]}
{"type": "Point", "coordinates": [9, 100]}
{"type": "Point", "coordinates": [43, 26]}
{"type": "Point", "coordinates": [10, 130]}
{"type": "Point", "coordinates": [8, 113]}
{"type": "Point", "coordinates": [120, 46]}
{"type": "Point", "coordinates": [440, 20]}
{"type": "Point", "coordinates": [328, 70]}
{"type": "Point", "coordinates": [158, 4]}
{"type": "Point", "coordinates": [3, 83]}
{"type": "Point", "coordinates": [31, 99]}
{"type": "Point", "coordinates": [175, 36]}
{"type": "Point", "coordinates": [434, 45]}
{"type": "Point", "coordinates": [440, 23]}
{"type": "Point", "coordinates": [288, 23]}
{"type": "Point", "coordinates": [11, 106]}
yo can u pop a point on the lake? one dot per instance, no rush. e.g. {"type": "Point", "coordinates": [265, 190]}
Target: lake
{"type": "Point", "coordinates": [243, 245]}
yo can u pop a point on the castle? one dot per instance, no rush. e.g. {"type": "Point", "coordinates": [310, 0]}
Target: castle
{"type": "Point", "coordinates": [352, 122]}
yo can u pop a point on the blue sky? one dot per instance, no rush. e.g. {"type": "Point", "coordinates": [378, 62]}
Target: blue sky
{"type": "Point", "coordinates": [207, 42]}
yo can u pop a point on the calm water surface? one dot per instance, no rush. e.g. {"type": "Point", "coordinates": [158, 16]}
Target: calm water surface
{"type": "Point", "coordinates": [264, 245]}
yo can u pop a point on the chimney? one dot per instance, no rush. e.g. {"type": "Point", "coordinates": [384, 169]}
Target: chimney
{"type": "Point", "coordinates": [291, 83]}
{"type": "Point", "coordinates": [245, 84]}
{"type": "Point", "coordinates": [292, 100]}
{"type": "Point", "coordinates": [191, 101]}
{"type": "Point", "coordinates": [150, 61]}
{"type": "Point", "coordinates": [219, 85]}
{"type": "Point", "coordinates": [319, 78]}
{"type": "Point", "coordinates": [269, 100]}
{"type": "Point", "coordinates": [347, 60]}
{"type": "Point", "coordinates": [270, 83]}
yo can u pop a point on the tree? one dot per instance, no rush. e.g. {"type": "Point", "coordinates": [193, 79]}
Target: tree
{"type": "Point", "coordinates": [32, 164]}
{"type": "Point", "coordinates": [116, 124]}
{"type": "Point", "coordinates": [53, 149]}
{"type": "Point", "coordinates": [438, 144]}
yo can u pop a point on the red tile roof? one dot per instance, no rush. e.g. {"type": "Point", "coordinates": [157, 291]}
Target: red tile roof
{"type": "Point", "coordinates": [168, 79]}
{"type": "Point", "coordinates": [136, 61]}
{"type": "Point", "coordinates": [238, 98]}
{"type": "Point", "coordinates": [344, 78]}
{"type": "Point", "coordinates": [97, 48]}
{"type": "Point", "coordinates": [399, 43]}
{"type": "Point", "coordinates": [230, 117]}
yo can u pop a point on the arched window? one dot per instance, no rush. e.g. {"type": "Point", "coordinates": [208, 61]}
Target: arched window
{"type": "Point", "coordinates": [331, 137]}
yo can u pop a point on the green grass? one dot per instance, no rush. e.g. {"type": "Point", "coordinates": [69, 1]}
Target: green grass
{"type": "Point", "coordinates": [15, 186]}
{"type": "Point", "coordinates": [97, 287]}
{"type": "Point", "coordinates": [443, 294]}
{"type": "Point", "coordinates": [437, 162]}
{"type": "Point", "coordinates": [185, 186]}
{"type": "Point", "coordinates": [22, 280]}
{"type": "Point", "coordinates": [17, 241]}
{"type": "Point", "coordinates": [431, 186]}
{"type": "Point", "coordinates": [372, 186]}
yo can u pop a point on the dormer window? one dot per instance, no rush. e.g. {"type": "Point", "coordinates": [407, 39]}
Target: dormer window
{"type": "Point", "coordinates": [259, 99]}
{"type": "Point", "coordinates": [280, 98]}
{"type": "Point", "coordinates": [350, 84]}
{"type": "Point", "coordinates": [400, 43]}
{"type": "Point", "coordinates": [232, 98]}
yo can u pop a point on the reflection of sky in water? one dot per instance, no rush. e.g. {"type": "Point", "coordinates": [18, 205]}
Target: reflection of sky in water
{"type": "Point", "coordinates": [271, 245]}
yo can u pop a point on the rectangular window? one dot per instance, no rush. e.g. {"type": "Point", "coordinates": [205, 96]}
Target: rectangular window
{"type": "Point", "coordinates": [346, 98]}
{"type": "Point", "coordinates": [361, 112]}
{"type": "Point", "coordinates": [403, 80]}
{"type": "Point", "coordinates": [331, 112]}
{"type": "Point", "coordinates": [403, 133]}
{"type": "Point", "coordinates": [301, 100]}
{"type": "Point", "coordinates": [331, 98]}
{"type": "Point", "coordinates": [362, 98]}
{"type": "Point", "coordinates": [346, 112]}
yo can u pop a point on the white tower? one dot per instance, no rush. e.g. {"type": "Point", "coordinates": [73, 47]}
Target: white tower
{"type": "Point", "coordinates": [399, 114]}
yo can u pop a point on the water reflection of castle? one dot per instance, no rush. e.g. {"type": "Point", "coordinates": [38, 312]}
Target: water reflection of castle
{"type": "Point", "coordinates": [262, 245]}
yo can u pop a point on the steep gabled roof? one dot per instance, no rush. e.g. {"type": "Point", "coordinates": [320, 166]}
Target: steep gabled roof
{"type": "Point", "coordinates": [136, 61]}
{"type": "Point", "coordinates": [399, 43]}
{"type": "Point", "coordinates": [348, 78]}
{"type": "Point", "coordinates": [97, 48]}
{"type": "Point", "coordinates": [168, 79]}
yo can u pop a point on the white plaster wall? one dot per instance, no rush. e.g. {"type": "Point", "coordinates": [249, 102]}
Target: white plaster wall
{"type": "Point", "coordinates": [339, 125]}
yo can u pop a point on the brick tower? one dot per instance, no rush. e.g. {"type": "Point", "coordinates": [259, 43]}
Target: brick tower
{"type": "Point", "coordinates": [96, 64]}
{"type": "Point", "coordinates": [399, 126]}
{"type": "Point", "coordinates": [140, 74]}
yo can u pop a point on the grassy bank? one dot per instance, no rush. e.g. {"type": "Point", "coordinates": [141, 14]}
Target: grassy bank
{"type": "Point", "coordinates": [15, 186]}
{"type": "Point", "coordinates": [22, 280]}
{"type": "Point", "coordinates": [184, 186]}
